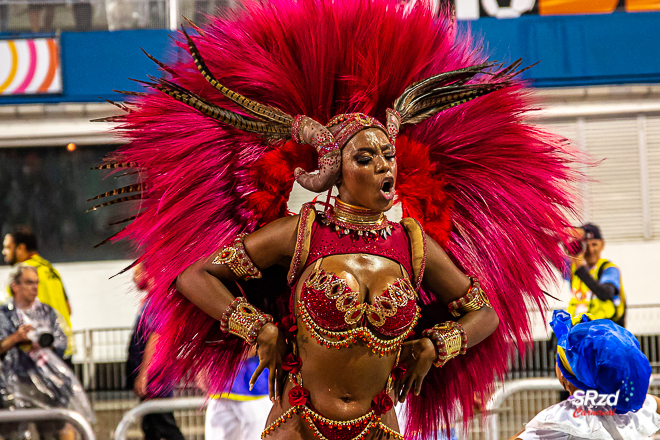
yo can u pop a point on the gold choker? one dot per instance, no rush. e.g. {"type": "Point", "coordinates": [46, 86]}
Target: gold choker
{"type": "Point", "coordinates": [357, 221]}
{"type": "Point", "coordinates": [357, 215]}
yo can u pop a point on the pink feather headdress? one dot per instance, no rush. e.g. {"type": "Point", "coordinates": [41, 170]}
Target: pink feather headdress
{"type": "Point", "coordinates": [492, 189]}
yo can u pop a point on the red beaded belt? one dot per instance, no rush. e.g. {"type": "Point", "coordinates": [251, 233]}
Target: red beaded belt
{"type": "Point", "coordinates": [326, 429]}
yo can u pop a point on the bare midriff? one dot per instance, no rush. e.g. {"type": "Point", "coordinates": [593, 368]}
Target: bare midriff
{"type": "Point", "coordinates": [342, 382]}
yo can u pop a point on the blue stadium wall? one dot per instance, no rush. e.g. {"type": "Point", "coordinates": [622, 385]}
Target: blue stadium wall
{"type": "Point", "coordinates": [617, 48]}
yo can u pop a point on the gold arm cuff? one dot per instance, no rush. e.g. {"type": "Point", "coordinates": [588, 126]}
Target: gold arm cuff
{"type": "Point", "coordinates": [237, 260]}
{"type": "Point", "coordinates": [473, 300]}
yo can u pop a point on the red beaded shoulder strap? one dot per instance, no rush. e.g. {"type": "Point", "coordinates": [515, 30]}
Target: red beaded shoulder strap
{"type": "Point", "coordinates": [418, 248]}
{"type": "Point", "coordinates": [303, 238]}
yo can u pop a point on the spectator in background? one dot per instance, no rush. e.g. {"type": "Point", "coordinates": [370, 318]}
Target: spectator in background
{"type": "Point", "coordinates": [27, 326]}
{"type": "Point", "coordinates": [240, 414]}
{"type": "Point", "coordinates": [595, 282]}
{"type": "Point", "coordinates": [143, 343]}
{"type": "Point", "coordinates": [20, 246]}
{"type": "Point", "coordinates": [4, 15]}
{"type": "Point", "coordinates": [35, 7]}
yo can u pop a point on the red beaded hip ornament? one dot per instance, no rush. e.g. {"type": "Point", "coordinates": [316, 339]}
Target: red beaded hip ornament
{"type": "Point", "coordinates": [327, 429]}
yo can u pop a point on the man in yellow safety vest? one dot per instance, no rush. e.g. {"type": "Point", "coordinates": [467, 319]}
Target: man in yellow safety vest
{"type": "Point", "coordinates": [595, 282]}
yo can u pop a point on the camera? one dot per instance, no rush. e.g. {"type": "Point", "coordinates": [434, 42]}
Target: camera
{"type": "Point", "coordinates": [576, 247]}
{"type": "Point", "coordinates": [44, 339]}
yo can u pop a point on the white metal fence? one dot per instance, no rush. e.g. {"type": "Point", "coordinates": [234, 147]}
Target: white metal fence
{"type": "Point", "coordinates": [641, 319]}
{"type": "Point", "coordinates": [35, 415]}
{"type": "Point", "coordinates": [512, 405]}
{"type": "Point", "coordinates": [99, 362]}
{"type": "Point", "coordinates": [102, 353]}
{"type": "Point", "coordinates": [515, 403]}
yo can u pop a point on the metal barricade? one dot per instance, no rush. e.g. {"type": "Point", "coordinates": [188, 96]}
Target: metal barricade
{"type": "Point", "coordinates": [156, 406]}
{"type": "Point", "coordinates": [101, 346]}
{"type": "Point", "coordinates": [111, 15]}
{"type": "Point", "coordinates": [39, 415]}
{"type": "Point", "coordinates": [641, 319]}
{"type": "Point", "coordinates": [509, 388]}
{"type": "Point", "coordinates": [102, 353]}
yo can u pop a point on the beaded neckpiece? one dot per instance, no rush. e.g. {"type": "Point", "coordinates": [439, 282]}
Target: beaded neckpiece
{"type": "Point", "coordinates": [359, 223]}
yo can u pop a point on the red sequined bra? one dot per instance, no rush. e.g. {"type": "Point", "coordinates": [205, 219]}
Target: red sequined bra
{"type": "Point", "coordinates": [332, 311]}
{"type": "Point", "coordinates": [329, 308]}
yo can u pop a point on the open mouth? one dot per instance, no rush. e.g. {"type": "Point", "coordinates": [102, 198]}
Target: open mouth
{"type": "Point", "coordinates": [387, 188]}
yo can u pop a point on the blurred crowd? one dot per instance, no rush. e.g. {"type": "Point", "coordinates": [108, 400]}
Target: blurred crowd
{"type": "Point", "coordinates": [36, 341]}
{"type": "Point", "coordinates": [37, 345]}
{"type": "Point", "coordinates": [48, 16]}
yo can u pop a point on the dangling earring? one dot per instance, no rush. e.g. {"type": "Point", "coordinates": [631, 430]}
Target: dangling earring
{"type": "Point", "coordinates": [327, 200]}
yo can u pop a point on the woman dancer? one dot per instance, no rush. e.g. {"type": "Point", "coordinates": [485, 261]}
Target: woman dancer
{"type": "Point", "coordinates": [354, 299]}
{"type": "Point", "coordinates": [349, 310]}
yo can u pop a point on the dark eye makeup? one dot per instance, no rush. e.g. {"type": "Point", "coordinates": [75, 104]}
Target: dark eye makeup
{"type": "Point", "coordinates": [364, 159]}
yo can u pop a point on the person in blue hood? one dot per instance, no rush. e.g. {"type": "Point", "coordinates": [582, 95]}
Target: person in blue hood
{"type": "Point", "coordinates": [601, 365]}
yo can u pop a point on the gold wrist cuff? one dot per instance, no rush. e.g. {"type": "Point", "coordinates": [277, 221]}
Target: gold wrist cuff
{"type": "Point", "coordinates": [244, 320]}
{"type": "Point", "coordinates": [449, 339]}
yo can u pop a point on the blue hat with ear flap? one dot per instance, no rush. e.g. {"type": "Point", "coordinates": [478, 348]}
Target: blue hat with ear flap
{"type": "Point", "coordinates": [603, 356]}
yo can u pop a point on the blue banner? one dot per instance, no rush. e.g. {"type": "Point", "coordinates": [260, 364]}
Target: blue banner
{"type": "Point", "coordinates": [95, 63]}
{"type": "Point", "coordinates": [573, 50]}
{"type": "Point", "coordinates": [474, 9]}
{"type": "Point", "coordinates": [580, 50]}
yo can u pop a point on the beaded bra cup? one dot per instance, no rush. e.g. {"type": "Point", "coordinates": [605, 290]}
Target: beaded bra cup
{"type": "Point", "coordinates": [335, 306]}
{"type": "Point", "coordinates": [328, 307]}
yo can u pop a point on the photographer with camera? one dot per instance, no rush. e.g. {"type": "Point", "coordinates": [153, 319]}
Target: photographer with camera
{"type": "Point", "coordinates": [31, 375]}
{"type": "Point", "coordinates": [595, 282]}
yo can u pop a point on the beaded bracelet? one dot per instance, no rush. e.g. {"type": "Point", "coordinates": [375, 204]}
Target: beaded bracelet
{"type": "Point", "coordinates": [449, 339]}
{"type": "Point", "coordinates": [473, 300]}
{"type": "Point", "coordinates": [244, 320]}
{"type": "Point", "coordinates": [235, 257]}
{"type": "Point", "coordinates": [224, 321]}
{"type": "Point", "coordinates": [459, 327]}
